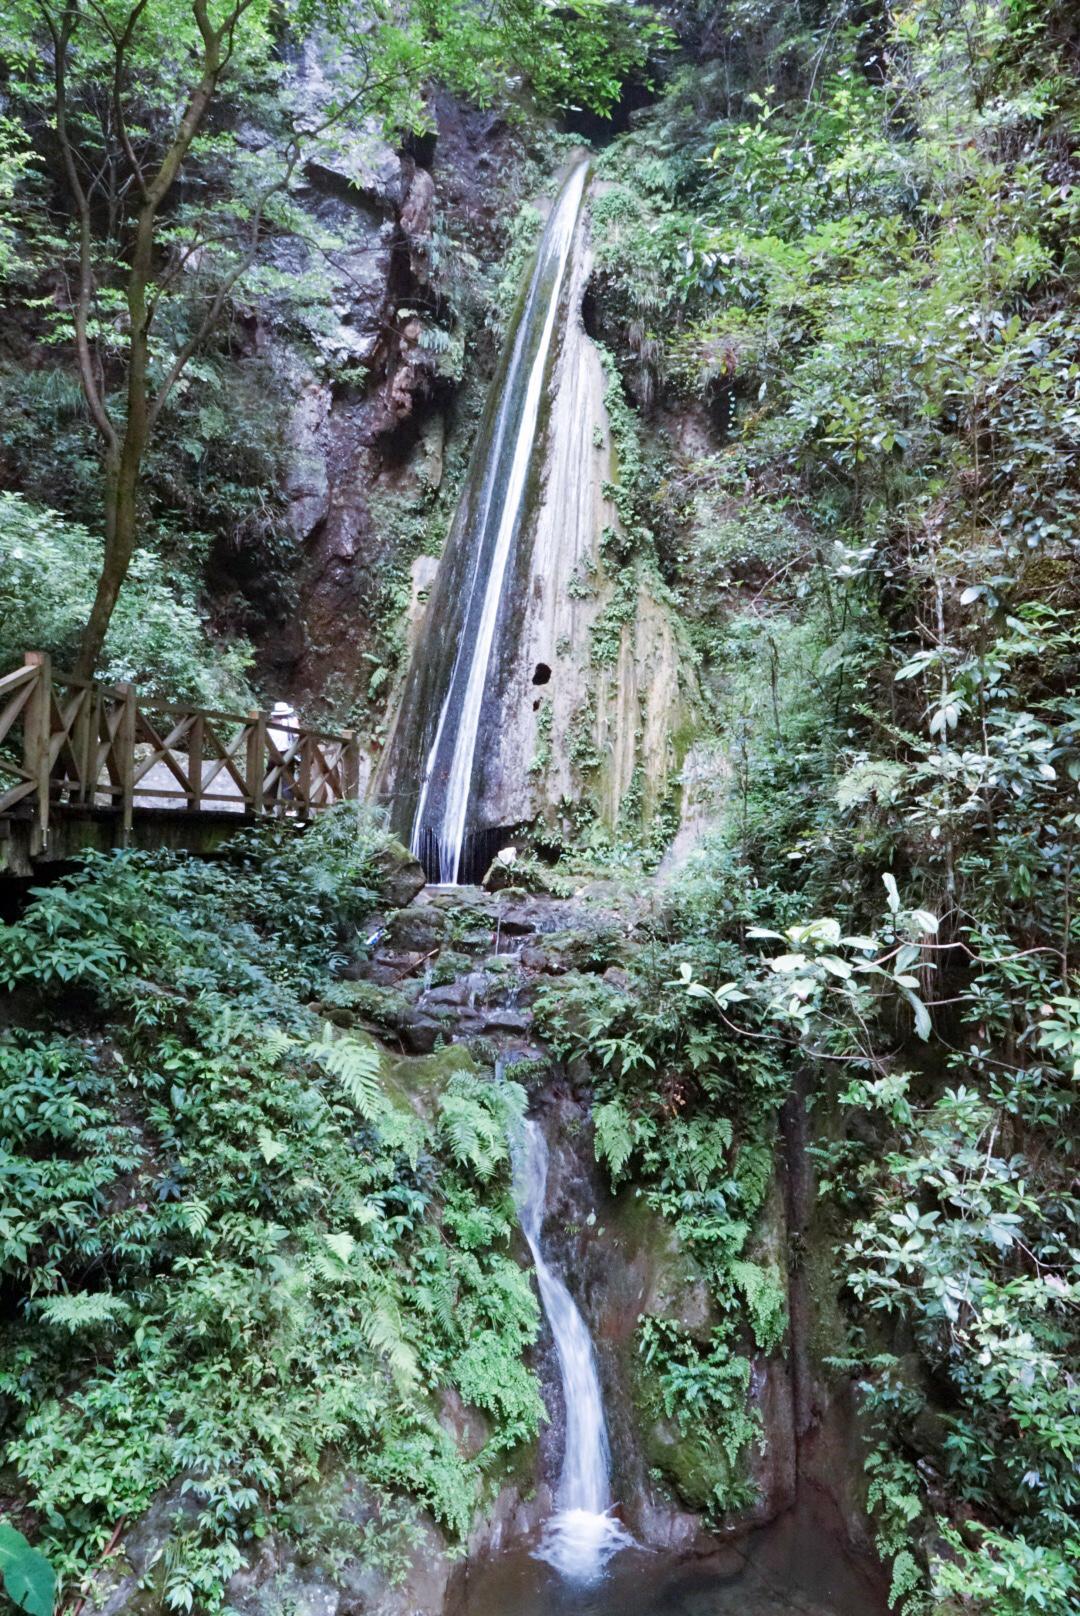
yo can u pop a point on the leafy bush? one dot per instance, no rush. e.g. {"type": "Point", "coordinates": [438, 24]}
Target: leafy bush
{"type": "Point", "coordinates": [48, 571]}
{"type": "Point", "coordinates": [246, 1258]}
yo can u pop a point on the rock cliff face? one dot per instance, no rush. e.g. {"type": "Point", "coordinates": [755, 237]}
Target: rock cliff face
{"type": "Point", "coordinates": [587, 690]}
{"type": "Point", "coordinates": [370, 403]}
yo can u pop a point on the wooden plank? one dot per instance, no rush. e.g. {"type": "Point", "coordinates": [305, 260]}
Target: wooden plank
{"type": "Point", "coordinates": [84, 745]}
{"type": "Point", "coordinates": [66, 762]}
{"type": "Point", "coordinates": [15, 706]}
{"type": "Point", "coordinates": [227, 758]}
{"type": "Point", "coordinates": [350, 768]}
{"type": "Point", "coordinates": [304, 776]}
{"type": "Point", "coordinates": [16, 679]}
{"type": "Point", "coordinates": [36, 723]}
{"type": "Point", "coordinates": [125, 745]}
{"type": "Point", "coordinates": [195, 761]}
{"type": "Point", "coordinates": [255, 767]}
{"type": "Point", "coordinates": [162, 750]}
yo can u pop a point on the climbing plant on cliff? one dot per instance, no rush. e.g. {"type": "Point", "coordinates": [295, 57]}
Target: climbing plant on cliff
{"type": "Point", "coordinates": [845, 247]}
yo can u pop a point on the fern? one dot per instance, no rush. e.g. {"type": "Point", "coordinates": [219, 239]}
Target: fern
{"type": "Point", "coordinates": [84, 1310]}
{"type": "Point", "coordinates": [270, 1148]}
{"type": "Point", "coordinates": [753, 1172]}
{"type": "Point", "coordinates": [699, 1150]}
{"type": "Point", "coordinates": [358, 1068]}
{"type": "Point", "coordinates": [475, 1118]}
{"type": "Point", "coordinates": [342, 1244]}
{"type": "Point", "coordinates": [384, 1333]}
{"type": "Point", "coordinates": [614, 1137]}
{"type": "Point", "coordinates": [193, 1215]}
{"type": "Point", "coordinates": [763, 1291]}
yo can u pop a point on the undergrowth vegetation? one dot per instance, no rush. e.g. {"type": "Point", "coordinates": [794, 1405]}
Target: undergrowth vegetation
{"type": "Point", "coordinates": [245, 1259]}
{"type": "Point", "coordinates": [846, 249]}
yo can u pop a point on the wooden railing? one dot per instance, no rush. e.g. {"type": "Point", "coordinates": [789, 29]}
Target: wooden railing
{"type": "Point", "coordinates": [68, 743]}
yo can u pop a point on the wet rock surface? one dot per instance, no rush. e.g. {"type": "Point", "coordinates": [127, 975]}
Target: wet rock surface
{"type": "Point", "coordinates": [461, 964]}
{"type": "Point", "coordinates": [370, 408]}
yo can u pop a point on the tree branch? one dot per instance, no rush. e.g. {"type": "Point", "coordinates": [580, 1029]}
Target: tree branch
{"type": "Point", "coordinates": [61, 38]}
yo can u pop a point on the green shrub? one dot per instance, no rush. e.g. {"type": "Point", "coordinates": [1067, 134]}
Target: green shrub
{"type": "Point", "coordinates": [48, 572]}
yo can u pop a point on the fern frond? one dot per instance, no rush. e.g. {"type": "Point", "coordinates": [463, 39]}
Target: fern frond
{"type": "Point", "coordinates": [614, 1136]}
{"type": "Point", "coordinates": [473, 1118]}
{"type": "Point", "coordinates": [193, 1215]}
{"type": "Point", "coordinates": [383, 1331]}
{"type": "Point", "coordinates": [358, 1068]}
{"type": "Point", "coordinates": [83, 1310]}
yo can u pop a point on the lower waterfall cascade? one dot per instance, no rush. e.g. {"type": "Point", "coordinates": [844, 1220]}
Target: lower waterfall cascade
{"type": "Point", "coordinates": [583, 1534]}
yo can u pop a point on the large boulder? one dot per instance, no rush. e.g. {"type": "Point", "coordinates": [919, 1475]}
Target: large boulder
{"type": "Point", "coordinates": [398, 875]}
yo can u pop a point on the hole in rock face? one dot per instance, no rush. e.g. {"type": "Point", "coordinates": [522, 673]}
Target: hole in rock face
{"type": "Point", "coordinates": [536, 705]}
{"type": "Point", "coordinates": [541, 674]}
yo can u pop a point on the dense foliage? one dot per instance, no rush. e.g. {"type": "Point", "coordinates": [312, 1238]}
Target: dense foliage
{"type": "Point", "coordinates": [157, 639]}
{"type": "Point", "coordinates": [247, 1259]}
{"type": "Point", "coordinates": [849, 249]}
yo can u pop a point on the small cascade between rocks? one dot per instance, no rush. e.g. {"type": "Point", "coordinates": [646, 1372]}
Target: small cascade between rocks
{"type": "Point", "coordinates": [583, 1535]}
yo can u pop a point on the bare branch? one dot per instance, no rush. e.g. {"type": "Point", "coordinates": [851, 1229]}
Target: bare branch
{"type": "Point", "coordinates": [61, 37]}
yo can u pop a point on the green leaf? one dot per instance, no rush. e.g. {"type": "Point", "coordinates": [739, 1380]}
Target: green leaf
{"type": "Point", "coordinates": [923, 1025]}
{"type": "Point", "coordinates": [837, 967]}
{"type": "Point", "coordinates": [342, 1245]}
{"type": "Point", "coordinates": [29, 1579]}
{"type": "Point", "coordinates": [270, 1147]}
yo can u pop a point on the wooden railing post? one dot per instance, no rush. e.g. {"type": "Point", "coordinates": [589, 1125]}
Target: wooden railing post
{"type": "Point", "coordinates": [350, 767]}
{"type": "Point", "coordinates": [195, 762]}
{"type": "Point", "coordinates": [255, 771]}
{"type": "Point", "coordinates": [307, 746]}
{"type": "Point", "coordinates": [83, 737]}
{"type": "Point", "coordinates": [126, 746]}
{"type": "Point", "coordinates": [37, 732]}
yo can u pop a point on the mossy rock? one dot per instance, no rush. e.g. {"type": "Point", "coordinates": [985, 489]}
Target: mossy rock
{"type": "Point", "coordinates": [398, 875]}
{"type": "Point", "coordinates": [419, 929]}
{"type": "Point", "coordinates": [419, 1077]}
{"type": "Point", "coordinates": [697, 1469]}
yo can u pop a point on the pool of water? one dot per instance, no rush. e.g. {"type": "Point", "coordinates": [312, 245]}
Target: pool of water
{"type": "Point", "coordinates": [796, 1567]}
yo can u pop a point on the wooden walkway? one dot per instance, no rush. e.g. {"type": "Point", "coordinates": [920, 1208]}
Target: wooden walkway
{"type": "Point", "coordinates": [84, 764]}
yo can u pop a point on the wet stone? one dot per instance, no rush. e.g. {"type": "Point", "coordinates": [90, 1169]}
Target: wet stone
{"type": "Point", "coordinates": [507, 1021]}
{"type": "Point", "coordinates": [399, 875]}
{"type": "Point", "coordinates": [453, 993]}
{"type": "Point", "coordinates": [420, 1033]}
{"type": "Point", "coordinates": [517, 922]}
{"type": "Point", "coordinates": [418, 929]}
{"type": "Point", "coordinates": [542, 959]}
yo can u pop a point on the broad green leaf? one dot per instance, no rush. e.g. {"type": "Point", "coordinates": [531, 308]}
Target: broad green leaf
{"type": "Point", "coordinates": [29, 1579]}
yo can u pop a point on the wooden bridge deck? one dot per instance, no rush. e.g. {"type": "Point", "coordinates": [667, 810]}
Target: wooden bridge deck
{"type": "Point", "coordinates": [89, 765]}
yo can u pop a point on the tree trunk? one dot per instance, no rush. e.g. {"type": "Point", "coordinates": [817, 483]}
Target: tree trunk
{"type": "Point", "coordinates": [121, 527]}
{"type": "Point", "coordinates": [122, 467]}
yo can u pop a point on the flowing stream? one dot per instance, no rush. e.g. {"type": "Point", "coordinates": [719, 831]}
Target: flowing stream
{"type": "Point", "coordinates": [440, 826]}
{"type": "Point", "coordinates": [581, 1537]}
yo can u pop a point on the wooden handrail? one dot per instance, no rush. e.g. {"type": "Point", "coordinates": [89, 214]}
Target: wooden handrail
{"type": "Point", "coordinates": [86, 745]}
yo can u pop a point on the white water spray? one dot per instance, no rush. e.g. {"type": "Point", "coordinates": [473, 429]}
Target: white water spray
{"type": "Point", "coordinates": [513, 440]}
{"type": "Point", "coordinates": [581, 1537]}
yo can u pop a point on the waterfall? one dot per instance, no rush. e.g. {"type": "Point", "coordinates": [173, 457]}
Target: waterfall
{"type": "Point", "coordinates": [440, 826]}
{"type": "Point", "coordinates": [582, 1536]}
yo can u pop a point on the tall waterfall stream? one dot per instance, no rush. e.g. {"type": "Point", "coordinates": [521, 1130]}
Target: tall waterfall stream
{"type": "Point", "coordinates": [440, 827]}
{"type": "Point", "coordinates": [582, 1536]}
